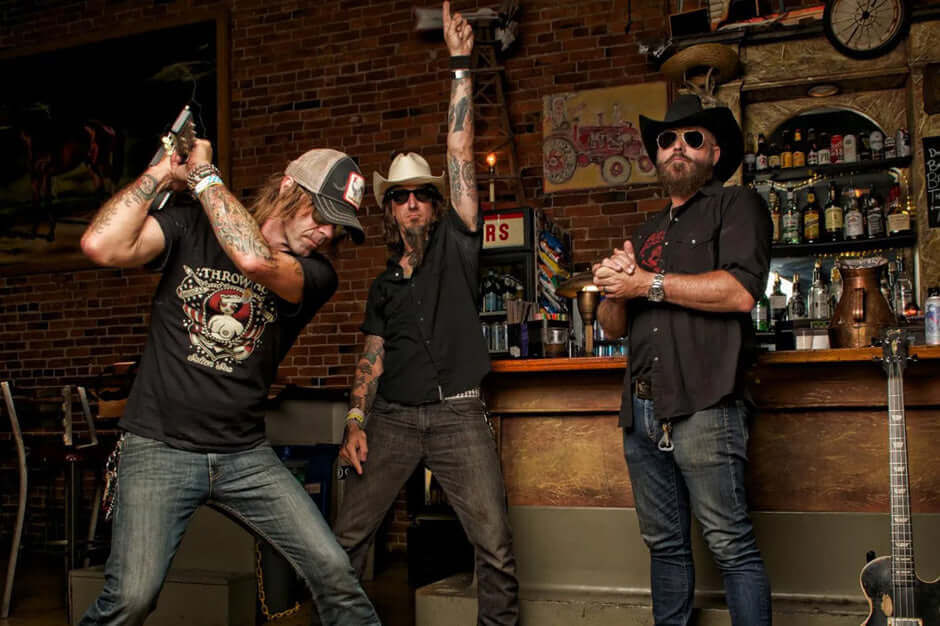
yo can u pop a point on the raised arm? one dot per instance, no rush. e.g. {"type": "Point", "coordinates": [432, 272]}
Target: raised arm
{"type": "Point", "coordinates": [240, 236]}
{"type": "Point", "coordinates": [368, 370]}
{"type": "Point", "coordinates": [460, 166]}
{"type": "Point", "coordinates": [121, 233]}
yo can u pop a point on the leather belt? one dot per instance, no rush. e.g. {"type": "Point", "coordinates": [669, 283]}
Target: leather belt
{"type": "Point", "coordinates": [642, 388]}
{"type": "Point", "coordinates": [469, 393]}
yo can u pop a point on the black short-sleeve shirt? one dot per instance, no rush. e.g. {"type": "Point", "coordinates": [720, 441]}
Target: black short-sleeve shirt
{"type": "Point", "coordinates": [696, 358]}
{"type": "Point", "coordinates": [430, 323]}
{"type": "Point", "coordinates": [215, 341]}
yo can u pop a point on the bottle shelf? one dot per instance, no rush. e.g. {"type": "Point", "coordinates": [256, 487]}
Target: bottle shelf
{"type": "Point", "coordinates": [835, 169]}
{"type": "Point", "coordinates": [834, 247]}
{"type": "Point", "coordinates": [491, 314]}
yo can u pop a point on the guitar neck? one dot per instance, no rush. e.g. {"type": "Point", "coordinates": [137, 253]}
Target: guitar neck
{"type": "Point", "coordinates": [902, 538]}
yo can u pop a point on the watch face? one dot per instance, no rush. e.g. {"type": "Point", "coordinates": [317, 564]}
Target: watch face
{"type": "Point", "coordinates": [865, 28]}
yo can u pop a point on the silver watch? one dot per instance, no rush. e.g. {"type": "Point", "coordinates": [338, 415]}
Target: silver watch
{"type": "Point", "coordinates": [656, 293]}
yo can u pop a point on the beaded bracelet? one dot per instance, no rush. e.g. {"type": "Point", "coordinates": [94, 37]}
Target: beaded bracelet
{"type": "Point", "coordinates": [200, 172]}
{"type": "Point", "coordinates": [355, 415]}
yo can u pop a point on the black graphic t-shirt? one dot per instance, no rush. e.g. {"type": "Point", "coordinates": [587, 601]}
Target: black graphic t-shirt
{"type": "Point", "coordinates": [215, 341]}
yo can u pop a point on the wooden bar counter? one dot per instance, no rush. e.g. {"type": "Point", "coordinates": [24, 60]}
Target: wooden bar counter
{"type": "Point", "coordinates": [817, 481]}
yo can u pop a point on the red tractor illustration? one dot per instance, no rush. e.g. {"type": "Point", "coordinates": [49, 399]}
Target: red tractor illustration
{"type": "Point", "coordinates": [612, 147]}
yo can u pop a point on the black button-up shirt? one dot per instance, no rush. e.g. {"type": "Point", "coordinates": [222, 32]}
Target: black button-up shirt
{"type": "Point", "coordinates": [695, 358]}
{"type": "Point", "coordinates": [434, 346]}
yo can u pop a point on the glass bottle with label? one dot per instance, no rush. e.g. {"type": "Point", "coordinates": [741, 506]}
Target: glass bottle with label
{"type": "Point", "coordinates": [786, 153]}
{"type": "Point", "coordinates": [750, 156]}
{"type": "Point", "coordinates": [824, 154]}
{"type": "Point", "coordinates": [778, 302]}
{"type": "Point", "coordinates": [760, 314]}
{"type": "Point", "coordinates": [819, 295]}
{"type": "Point", "coordinates": [761, 162]}
{"type": "Point", "coordinates": [874, 218]}
{"type": "Point", "coordinates": [899, 218]}
{"type": "Point", "coordinates": [812, 149]}
{"type": "Point", "coordinates": [903, 290]}
{"type": "Point", "coordinates": [796, 307]}
{"type": "Point", "coordinates": [835, 286]}
{"type": "Point", "coordinates": [792, 221]}
{"type": "Point", "coordinates": [833, 214]}
{"type": "Point", "coordinates": [773, 157]}
{"type": "Point", "coordinates": [849, 148]}
{"type": "Point", "coordinates": [799, 150]}
{"type": "Point", "coordinates": [811, 218]}
{"type": "Point", "coordinates": [854, 219]}
{"type": "Point", "coordinates": [773, 199]}
{"type": "Point", "coordinates": [876, 143]}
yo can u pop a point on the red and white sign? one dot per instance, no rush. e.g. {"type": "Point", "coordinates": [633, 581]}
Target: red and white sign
{"type": "Point", "coordinates": [503, 230]}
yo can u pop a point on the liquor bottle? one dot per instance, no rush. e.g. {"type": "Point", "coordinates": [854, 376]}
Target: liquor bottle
{"type": "Point", "coordinates": [489, 291]}
{"type": "Point", "coordinates": [864, 147]}
{"type": "Point", "coordinates": [849, 148]}
{"type": "Point", "coordinates": [819, 295]}
{"type": "Point", "coordinates": [811, 218]}
{"type": "Point", "coordinates": [903, 291]}
{"type": "Point", "coordinates": [792, 222]}
{"type": "Point", "coordinates": [824, 155]}
{"type": "Point", "coordinates": [773, 157]}
{"type": "Point", "coordinates": [854, 219]}
{"type": "Point", "coordinates": [761, 159]}
{"type": "Point", "coordinates": [833, 214]}
{"type": "Point", "coordinates": [812, 150]}
{"type": "Point", "coordinates": [750, 156]}
{"type": "Point", "coordinates": [899, 218]}
{"type": "Point", "coordinates": [876, 141]}
{"type": "Point", "coordinates": [874, 218]}
{"type": "Point", "coordinates": [799, 150]}
{"type": "Point", "coordinates": [796, 307]}
{"type": "Point", "coordinates": [760, 315]}
{"type": "Point", "coordinates": [835, 286]}
{"type": "Point", "coordinates": [778, 302]}
{"type": "Point", "coordinates": [773, 199]}
{"type": "Point", "coordinates": [786, 153]}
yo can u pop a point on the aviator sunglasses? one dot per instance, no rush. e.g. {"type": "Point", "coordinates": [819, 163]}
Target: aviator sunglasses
{"type": "Point", "coordinates": [692, 138]}
{"type": "Point", "coordinates": [422, 194]}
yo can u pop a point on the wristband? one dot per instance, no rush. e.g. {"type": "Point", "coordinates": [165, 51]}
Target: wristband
{"type": "Point", "coordinates": [460, 62]}
{"type": "Point", "coordinates": [461, 74]}
{"type": "Point", "coordinates": [355, 415]}
{"type": "Point", "coordinates": [200, 172]}
{"type": "Point", "coordinates": [205, 183]}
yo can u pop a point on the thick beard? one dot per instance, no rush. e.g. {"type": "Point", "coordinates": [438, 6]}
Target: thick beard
{"type": "Point", "coordinates": [416, 238]}
{"type": "Point", "coordinates": [685, 185]}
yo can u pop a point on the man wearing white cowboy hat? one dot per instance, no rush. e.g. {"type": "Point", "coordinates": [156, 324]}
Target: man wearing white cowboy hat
{"type": "Point", "coordinates": [688, 278]}
{"type": "Point", "coordinates": [238, 286]}
{"type": "Point", "coordinates": [417, 385]}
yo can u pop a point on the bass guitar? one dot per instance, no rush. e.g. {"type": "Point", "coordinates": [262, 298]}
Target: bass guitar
{"type": "Point", "coordinates": [896, 597]}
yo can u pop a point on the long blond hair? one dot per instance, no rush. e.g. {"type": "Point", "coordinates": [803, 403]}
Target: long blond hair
{"type": "Point", "coordinates": [272, 201]}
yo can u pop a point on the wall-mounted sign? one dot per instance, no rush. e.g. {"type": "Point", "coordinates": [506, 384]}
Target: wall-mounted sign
{"type": "Point", "coordinates": [932, 178]}
{"type": "Point", "coordinates": [504, 230]}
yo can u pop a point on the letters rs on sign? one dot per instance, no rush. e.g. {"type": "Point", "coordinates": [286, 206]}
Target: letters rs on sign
{"type": "Point", "coordinates": [503, 230]}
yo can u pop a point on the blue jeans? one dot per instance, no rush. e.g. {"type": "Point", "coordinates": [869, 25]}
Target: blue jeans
{"type": "Point", "coordinates": [703, 475]}
{"type": "Point", "coordinates": [453, 440]}
{"type": "Point", "coordinates": [159, 489]}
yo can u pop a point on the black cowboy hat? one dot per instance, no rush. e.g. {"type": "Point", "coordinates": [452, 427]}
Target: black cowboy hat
{"type": "Point", "coordinates": [688, 111]}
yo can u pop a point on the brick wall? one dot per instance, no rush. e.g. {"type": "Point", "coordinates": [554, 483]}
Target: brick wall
{"type": "Point", "coordinates": [350, 75]}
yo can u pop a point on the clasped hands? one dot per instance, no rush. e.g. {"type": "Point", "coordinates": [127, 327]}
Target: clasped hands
{"type": "Point", "coordinates": [174, 170]}
{"type": "Point", "coordinates": [618, 277]}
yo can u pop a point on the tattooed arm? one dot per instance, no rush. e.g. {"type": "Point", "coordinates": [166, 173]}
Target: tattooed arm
{"type": "Point", "coordinates": [370, 367]}
{"type": "Point", "coordinates": [121, 233]}
{"type": "Point", "coordinates": [460, 167]}
{"type": "Point", "coordinates": [240, 237]}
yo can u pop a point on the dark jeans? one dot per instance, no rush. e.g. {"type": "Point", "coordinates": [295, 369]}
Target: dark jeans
{"type": "Point", "coordinates": [703, 475]}
{"type": "Point", "coordinates": [159, 489]}
{"type": "Point", "coordinates": [455, 443]}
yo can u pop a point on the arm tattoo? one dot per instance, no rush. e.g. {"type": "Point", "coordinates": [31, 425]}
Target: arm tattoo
{"type": "Point", "coordinates": [458, 113]}
{"type": "Point", "coordinates": [469, 176]}
{"type": "Point", "coordinates": [454, 169]}
{"type": "Point", "coordinates": [135, 194]}
{"type": "Point", "coordinates": [368, 372]}
{"type": "Point", "coordinates": [235, 228]}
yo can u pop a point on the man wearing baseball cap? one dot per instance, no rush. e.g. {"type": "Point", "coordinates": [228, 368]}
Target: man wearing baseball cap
{"type": "Point", "coordinates": [689, 278]}
{"type": "Point", "coordinates": [416, 394]}
{"type": "Point", "coordinates": [238, 286]}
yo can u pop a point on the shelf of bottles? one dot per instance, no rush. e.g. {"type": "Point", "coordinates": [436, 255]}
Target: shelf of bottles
{"type": "Point", "coordinates": [840, 189]}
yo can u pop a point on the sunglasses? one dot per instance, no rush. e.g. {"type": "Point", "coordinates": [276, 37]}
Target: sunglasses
{"type": "Point", "coordinates": [422, 194]}
{"type": "Point", "coordinates": [694, 139]}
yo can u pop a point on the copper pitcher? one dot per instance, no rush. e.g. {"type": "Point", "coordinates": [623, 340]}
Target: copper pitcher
{"type": "Point", "coordinates": [862, 311]}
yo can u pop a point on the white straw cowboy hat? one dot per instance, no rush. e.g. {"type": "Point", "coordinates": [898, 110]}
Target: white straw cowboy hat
{"type": "Point", "coordinates": [408, 168]}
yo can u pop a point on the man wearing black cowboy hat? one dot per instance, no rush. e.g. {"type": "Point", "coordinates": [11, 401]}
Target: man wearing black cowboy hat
{"type": "Point", "coordinates": [682, 288]}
